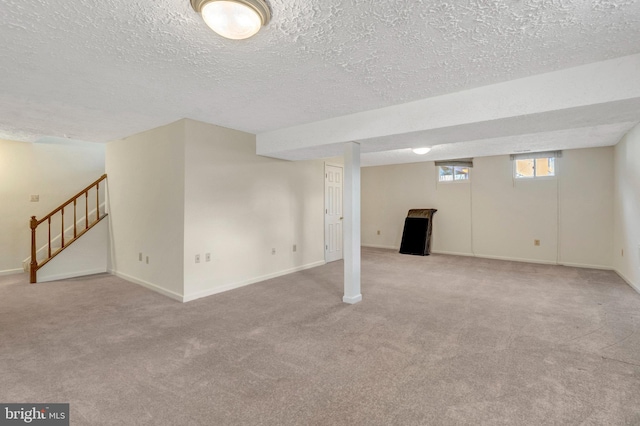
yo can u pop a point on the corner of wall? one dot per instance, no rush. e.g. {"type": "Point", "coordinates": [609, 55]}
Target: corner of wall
{"type": "Point", "coordinates": [146, 208]}
{"type": "Point", "coordinates": [240, 206]}
{"type": "Point", "coordinates": [626, 239]}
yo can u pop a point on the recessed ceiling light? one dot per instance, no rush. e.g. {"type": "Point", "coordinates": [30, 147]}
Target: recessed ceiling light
{"type": "Point", "coordinates": [233, 19]}
{"type": "Point", "coordinates": [421, 151]}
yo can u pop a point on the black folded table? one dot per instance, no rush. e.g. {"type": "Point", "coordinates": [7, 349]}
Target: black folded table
{"type": "Point", "coordinates": [416, 236]}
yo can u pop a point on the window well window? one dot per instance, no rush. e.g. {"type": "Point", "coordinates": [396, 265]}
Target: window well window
{"type": "Point", "coordinates": [454, 170]}
{"type": "Point", "coordinates": [450, 173]}
{"type": "Point", "coordinates": [535, 165]}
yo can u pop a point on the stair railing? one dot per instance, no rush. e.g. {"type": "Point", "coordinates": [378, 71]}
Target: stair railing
{"type": "Point", "coordinates": [77, 233]}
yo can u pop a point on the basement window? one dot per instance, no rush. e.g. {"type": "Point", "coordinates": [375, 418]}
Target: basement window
{"type": "Point", "coordinates": [454, 170]}
{"type": "Point", "coordinates": [535, 165]}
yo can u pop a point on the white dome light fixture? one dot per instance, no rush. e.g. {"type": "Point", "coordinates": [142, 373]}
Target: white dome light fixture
{"type": "Point", "coordinates": [233, 19]}
{"type": "Point", "coordinates": [421, 151]}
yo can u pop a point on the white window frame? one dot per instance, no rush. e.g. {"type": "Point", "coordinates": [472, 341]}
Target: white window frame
{"type": "Point", "coordinates": [464, 163]}
{"type": "Point", "coordinates": [453, 180]}
{"type": "Point", "coordinates": [535, 156]}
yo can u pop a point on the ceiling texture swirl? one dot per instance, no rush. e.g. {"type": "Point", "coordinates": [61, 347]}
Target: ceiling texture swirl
{"type": "Point", "coordinates": [97, 71]}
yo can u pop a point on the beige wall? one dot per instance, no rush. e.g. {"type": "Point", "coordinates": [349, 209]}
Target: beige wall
{"type": "Point", "coordinates": [627, 208]}
{"type": "Point", "coordinates": [193, 188]}
{"type": "Point", "coordinates": [586, 207]}
{"type": "Point", "coordinates": [238, 206]}
{"type": "Point", "coordinates": [509, 214]}
{"type": "Point", "coordinates": [55, 172]}
{"type": "Point", "coordinates": [494, 215]}
{"type": "Point", "coordinates": [146, 208]}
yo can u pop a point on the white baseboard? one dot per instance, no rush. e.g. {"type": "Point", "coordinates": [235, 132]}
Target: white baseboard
{"type": "Point", "coordinates": [627, 280]}
{"type": "Point", "coordinates": [511, 259]}
{"type": "Point", "coordinates": [585, 265]}
{"type": "Point", "coordinates": [380, 247]}
{"type": "Point", "coordinates": [482, 256]}
{"type": "Point", "coordinates": [227, 287]}
{"type": "Point", "coordinates": [453, 253]}
{"type": "Point", "coordinates": [11, 271]}
{"type": "Point", "coordinates": [518, 259]}
{"type": "Point", "coordinates": [171, 294]}
{"type": "Point", "coordinates": [72, 275]}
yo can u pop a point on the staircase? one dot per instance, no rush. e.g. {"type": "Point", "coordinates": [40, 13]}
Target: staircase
{"type": "Point", "coordinates": [82, 212]}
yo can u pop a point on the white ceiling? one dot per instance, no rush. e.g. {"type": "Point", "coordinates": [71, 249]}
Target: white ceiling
{"type": "Point", "coordinates": [101, 70]}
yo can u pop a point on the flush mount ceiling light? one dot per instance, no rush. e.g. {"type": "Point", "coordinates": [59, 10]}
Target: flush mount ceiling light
{"type": "Point", "coordinates": [234, 19]}
{"type": "Point", "coordinates": [421, 151]}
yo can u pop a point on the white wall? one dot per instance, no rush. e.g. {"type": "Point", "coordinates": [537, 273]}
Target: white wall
{"type": "Point", "coordinates": [495, 216]}
{"type": "Point", "coordinates": [55, 172]}
{"type": "Point", "coordinates": [627, 208]}
{"type": "Point", "coordinates": [193, 188]}
{"type": "Point", "coordinates": [508, 214]}
{"type": "Point", "coordinates": [586, 208]}
{"type": "Point", "coordinates": [146, 208]}
{"type": "Point", "coordinates": [388, 192]}
{"type": "Point", "coordinates": [238, 206]}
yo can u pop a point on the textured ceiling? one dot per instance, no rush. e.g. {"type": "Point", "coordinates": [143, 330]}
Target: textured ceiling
{"type": "Point", "coordinates": [101, 70]}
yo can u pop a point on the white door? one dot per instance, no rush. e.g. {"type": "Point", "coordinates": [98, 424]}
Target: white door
{"type": "Point", "coordinates": [332, 213]}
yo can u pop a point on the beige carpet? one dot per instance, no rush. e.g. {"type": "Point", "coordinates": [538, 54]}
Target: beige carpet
{"type": "Point", "coordinates": [437, 340]}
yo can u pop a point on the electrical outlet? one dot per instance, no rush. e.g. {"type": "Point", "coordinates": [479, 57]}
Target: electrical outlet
{"type": "Point", "coordinates": [35, 198]}
{"type": "Point", "coordinates": [207, 257]}
{"type": "Point", "coordinates": [622, 252]}
{"type": "Point", "coordinates": [197, 258]}
{"type": "Point", "coordinates": [536, 242]}
{"type": "Point", "coordinates": [378, 232]}
{"type": "Point", "coordinates": [140, 257]}
{"type": "Point", "coordinates": [295, 247]}
{"type": "Point", "coordinates": [273, 251]}
{"type": "Point", "coordinates": [147, 260]}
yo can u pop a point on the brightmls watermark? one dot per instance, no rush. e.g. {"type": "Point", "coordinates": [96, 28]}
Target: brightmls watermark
{"type": "Point", "coordinates": [34, 414]}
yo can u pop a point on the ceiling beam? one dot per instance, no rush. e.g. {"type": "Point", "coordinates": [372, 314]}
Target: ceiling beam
{"type": "Point", "coordinates": [609, 86]}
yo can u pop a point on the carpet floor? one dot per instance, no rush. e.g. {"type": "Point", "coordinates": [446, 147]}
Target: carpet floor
{"type": "Point", "coordinates": [437, 340]}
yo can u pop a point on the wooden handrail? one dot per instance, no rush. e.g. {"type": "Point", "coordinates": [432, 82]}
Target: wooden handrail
{"type": "Point", "coordinates": [34, 223]}
{"type": "Point", "coordinates": [70, 200]}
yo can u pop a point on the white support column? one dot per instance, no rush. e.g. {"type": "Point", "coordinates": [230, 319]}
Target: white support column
{"type": "Point", "coordinates": [352, 223]}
